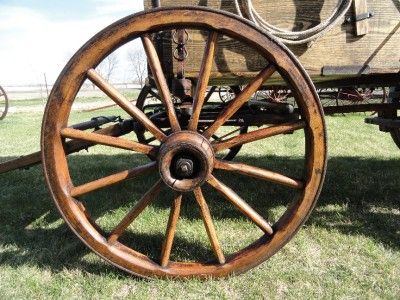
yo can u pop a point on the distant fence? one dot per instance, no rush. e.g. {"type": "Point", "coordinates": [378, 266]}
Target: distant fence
{"type": "Point", "coordinates": [21, 92]}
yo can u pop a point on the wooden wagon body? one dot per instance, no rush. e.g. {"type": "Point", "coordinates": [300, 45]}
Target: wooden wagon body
{"type": "Point", "coordinates": [346, 51]}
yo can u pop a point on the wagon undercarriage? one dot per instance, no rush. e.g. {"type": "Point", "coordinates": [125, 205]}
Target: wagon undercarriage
{"type": "Point", "coordinates": [254, 113]}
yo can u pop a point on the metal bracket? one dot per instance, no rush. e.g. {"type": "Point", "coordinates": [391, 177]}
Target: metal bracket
{"type": "Point", "coordinates": [385, 124]}
{"type": "Point", "coordinates": [156, 3]}
{"type": "Point", "coordinates": [346, 70]}
{"type": "Point", "coordinates": [358, 18]}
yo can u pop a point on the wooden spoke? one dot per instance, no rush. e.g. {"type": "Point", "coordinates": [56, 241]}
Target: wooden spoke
{"type": "Point", "coordinates": [161, 82]}
{"type": "Point", "coordinates": [112, 179]}
{"type": "Point", "coordinates": [240, 99]}
{"type": "Point", "coordinates": [171, 229]}
{"type": "Point", "coordinates": [208, 223]}
{"type": "Point", "coordinates": [258, 134]}
{"type": "Point", "coordinates": [246, 209]}
{"type": "Point", "coordinates": [132, 215]}
{"type": "Point", "coordinates": [125, 104]}
{"type": "Point", "coordinates": [259, 173]}
{"type": "Point", "coordinates": [204, 76]}
{"type": "Point", "coordinates": [107, 140]}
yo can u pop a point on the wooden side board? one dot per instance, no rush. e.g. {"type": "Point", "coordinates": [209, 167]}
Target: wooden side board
{"type": "Point", "coordinates": [361, 10]}
{"type": "Point", "coordinates": [378, 49]}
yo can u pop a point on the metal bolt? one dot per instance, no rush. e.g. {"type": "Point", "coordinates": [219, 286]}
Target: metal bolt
{"type": "Point", "coordinates": [184, 167]}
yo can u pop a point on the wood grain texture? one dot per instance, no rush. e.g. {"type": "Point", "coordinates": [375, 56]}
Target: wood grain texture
{"type": "Point", "coordinates": [361, 7]}
{"type": "Point", "coordinates": [241, 205]}
{"type": "Point", "coordinates": [112, 179]}
{"type": "Point", "coordinates": [240, 99]}
{"type": "Point", "coordinates": [204, 77]}
{"type": "Point", "coordinates": [208, 223]}
{"type": "Point", "coordinates": [106, 140]}
{"type": "Point", "coordinates": [341, 46]}
{"type": "Point", "coordinates": [135, 212]}
{"type": "Point", "coordinates": [259, 173]}
{"type": "Point", "coordinates": [73, 146]}
{"type": "Point", "coordinates": [161, 83]}
{"type": "Point", "coordinates": [171, 229]}
{"type": "Point", "coordinates": [258, 134]}
{"type": "Point", "coordinates": [125, 104]}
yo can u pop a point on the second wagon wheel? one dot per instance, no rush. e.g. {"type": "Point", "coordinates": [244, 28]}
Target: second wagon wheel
{"type": "Point", "coordinates": [394, 97]}
{"type": "Point", "coordinates": [3, 103]}
{"type": "Point", "coordinates": [186, 167]}
{"type": "Point", "coordinates": [145, 137]}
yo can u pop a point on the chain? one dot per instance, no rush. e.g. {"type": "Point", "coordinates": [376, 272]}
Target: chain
{"type": "Point", "coordinates": [180, 37]}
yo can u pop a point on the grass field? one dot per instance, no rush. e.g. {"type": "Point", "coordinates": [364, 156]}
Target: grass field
{"type": "Point", "coordinates": [38, 105]}
{"type": "Point", "coordinates": [348, 249]}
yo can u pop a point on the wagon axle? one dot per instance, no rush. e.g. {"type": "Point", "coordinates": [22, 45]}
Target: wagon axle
{"type": "Point", "coordinates": [244, 117]}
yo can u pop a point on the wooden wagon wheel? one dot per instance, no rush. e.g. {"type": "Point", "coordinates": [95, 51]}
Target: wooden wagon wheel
{"type": "Point", "coordinates": [185, 161]}
{"type": "Point", "coordinates": [274, 95]}
{"type": "Point", "coordinates": [225, 93]}
{"type": "Point", "coordinates": [3, 103]}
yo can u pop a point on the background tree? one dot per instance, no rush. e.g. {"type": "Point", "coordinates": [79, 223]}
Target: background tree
{"type": "Point", "coordinates": [108, 66]}
{"type": "Point", "coordinates": [138, 61]}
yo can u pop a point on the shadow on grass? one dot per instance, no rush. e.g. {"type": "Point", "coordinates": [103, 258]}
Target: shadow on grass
{"type": "Point", "coordinates": [360, 197]}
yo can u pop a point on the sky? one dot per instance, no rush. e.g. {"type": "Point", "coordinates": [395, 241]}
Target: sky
{"type": "Point", "coordinates": [38, 37]}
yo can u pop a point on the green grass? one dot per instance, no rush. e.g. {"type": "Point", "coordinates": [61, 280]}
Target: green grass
{"type": "Point", "coordinates": [38, 104]}
{"type": "Point", "coordinates": [349, 248]}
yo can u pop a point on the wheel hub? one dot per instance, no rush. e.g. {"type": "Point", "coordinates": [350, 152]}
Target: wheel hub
{"type": "Point", "coordinates": [185, 161]}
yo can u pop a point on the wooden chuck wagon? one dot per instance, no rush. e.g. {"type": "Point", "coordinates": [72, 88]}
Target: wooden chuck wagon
{"type": "Point", "coordinates": [221, 79]}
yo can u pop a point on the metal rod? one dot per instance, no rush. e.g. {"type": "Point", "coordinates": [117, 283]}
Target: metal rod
{"type": "Point", "coordinates": [329, 110]}
{"type": "Point", "coordinates": [156, 3]}
{"type": "Point", "coordinates": [73, 146]}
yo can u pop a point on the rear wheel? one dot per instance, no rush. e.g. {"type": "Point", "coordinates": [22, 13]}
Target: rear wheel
{"type": "Point", "coordinates": [151, 105]}
{"type": "Point", "coordinates": [3, 103]}
{"type": "Point", "coordinates": [186, 163]}
{"type": "Point", "coordinates": [394, 97]}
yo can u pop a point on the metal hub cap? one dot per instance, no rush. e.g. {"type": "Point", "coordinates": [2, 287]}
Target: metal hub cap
{"type": "Point", "coordinates": [184, 168]}
{"type": "Point", "coordinates": [185, 161]}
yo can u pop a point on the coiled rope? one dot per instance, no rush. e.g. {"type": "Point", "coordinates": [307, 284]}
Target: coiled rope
{"type": "Point", "coordinates": [294, 37]}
